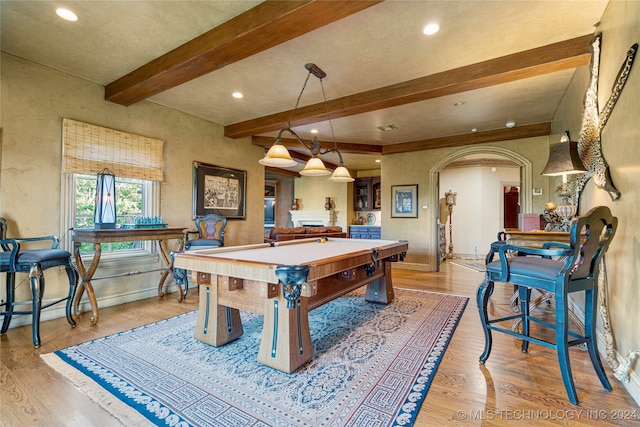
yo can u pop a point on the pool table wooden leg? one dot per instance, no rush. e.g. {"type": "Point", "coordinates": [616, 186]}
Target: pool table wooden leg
{"type": "Point", "coordinates": [380, 290]}
{"type": "Point", "coordinates": [286, 340]}
{"type": "Point", "coordinates": [216, 324]}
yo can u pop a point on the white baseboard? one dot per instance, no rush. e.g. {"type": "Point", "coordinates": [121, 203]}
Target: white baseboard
{"type": "Point", "coordinates": [58, 310]}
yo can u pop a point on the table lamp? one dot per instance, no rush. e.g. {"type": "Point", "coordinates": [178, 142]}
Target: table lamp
{"type": "Point", "coordinates": [564, 160]}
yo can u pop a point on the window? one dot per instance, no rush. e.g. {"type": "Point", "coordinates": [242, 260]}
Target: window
{"type": "Point", "coordinates": [134, 197]}
{"type": "Point", "coordinates": [137, 163]}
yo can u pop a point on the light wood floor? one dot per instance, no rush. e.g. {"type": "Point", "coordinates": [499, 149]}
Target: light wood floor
{"type": "Point", "coordinates": [511, 388]}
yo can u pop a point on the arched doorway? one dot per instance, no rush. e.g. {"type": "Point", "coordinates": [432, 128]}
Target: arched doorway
{"type": "Point", "coordinates": [524, 184]}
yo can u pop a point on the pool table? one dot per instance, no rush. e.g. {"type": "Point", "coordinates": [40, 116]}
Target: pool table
{"type": "Point", "coordinates": [283, 281]}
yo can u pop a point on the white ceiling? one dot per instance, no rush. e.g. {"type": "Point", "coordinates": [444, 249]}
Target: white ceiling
{"type": "Point", "coordinates": [377, 47]}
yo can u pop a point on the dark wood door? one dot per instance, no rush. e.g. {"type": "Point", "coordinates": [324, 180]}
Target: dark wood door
{"type": "Point", "coordinates": [511, 207]}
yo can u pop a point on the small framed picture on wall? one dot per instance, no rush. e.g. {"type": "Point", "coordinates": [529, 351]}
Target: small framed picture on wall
{"type": "Point", "coordinates": [404, 199]}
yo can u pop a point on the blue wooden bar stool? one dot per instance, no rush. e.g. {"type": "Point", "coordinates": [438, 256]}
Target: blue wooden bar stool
{"type": "Point", "coordinates": [561, 270]}
{"type": "Point", "coordinates": [14, 259]}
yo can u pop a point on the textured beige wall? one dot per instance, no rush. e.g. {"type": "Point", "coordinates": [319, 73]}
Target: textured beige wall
{"type": "Point", "coordinates": [312, 192]}
{"type": "Point", "coordinates": [35, 99]}
{"type": "Point", "coordinates": [620, 27]}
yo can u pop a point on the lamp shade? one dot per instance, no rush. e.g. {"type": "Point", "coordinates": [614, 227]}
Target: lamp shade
{"type": "Point", "coordinates": [278, 156]}
{"type": "Point", "coordinates": [314, 167]}
{"type": "Point", "coordinates": [563, 159]}
{"type": "Point", "coordinates": [341, 174]}
{"type": "Point", "coordinates": [105, 209]}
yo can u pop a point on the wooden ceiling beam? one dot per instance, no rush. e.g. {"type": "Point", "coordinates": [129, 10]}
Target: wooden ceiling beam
{"type": "Point", "coordinates": [344, 147]}
{"type": "Point", "coordinates": [264, 26]}
{"type": "Point", "coordinates": [518, 132]}
{"type": "Point", "coordinates": [551, 58]}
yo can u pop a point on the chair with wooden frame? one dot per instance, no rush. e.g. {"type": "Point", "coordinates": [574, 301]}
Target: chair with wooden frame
{"type": "Point", "coordinates": [560, 269]}
{"type": "Point", "coordinates": [210, 234]}
{"type": "Point", "coordinates": [14, 258]}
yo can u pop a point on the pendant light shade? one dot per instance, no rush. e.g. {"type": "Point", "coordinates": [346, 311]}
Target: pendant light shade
{"type": "Point", "coordinates": [341, 174]}
{"type": "Point", "coordinates": [278, 156]}
{"type": "Point", "coordinates": [314, 167]}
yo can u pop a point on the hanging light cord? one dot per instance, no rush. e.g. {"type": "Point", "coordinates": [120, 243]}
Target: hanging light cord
{"type": "Point", "coordinates": [300, 97]}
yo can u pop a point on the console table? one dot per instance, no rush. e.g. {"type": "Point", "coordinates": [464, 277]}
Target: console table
{"type": "Point", "coordinates": [97, 237]}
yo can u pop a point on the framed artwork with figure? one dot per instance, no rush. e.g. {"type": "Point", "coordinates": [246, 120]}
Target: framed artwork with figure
{"type": "Point", "coordinates": [218, 190]}
{"type": "Point", "coordinates": [404, 201]}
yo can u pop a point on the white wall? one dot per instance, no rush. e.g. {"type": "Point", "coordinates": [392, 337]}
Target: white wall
{"type": "Point", "coordinates": [478, 214]}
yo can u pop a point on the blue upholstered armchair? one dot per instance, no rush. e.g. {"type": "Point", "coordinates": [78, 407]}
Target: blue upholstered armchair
{"type": "Point", "coordinates": [15, 258]}
{"type": "Point", "coordinates": [210, 232]}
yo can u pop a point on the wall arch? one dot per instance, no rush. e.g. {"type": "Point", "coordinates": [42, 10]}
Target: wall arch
{"type": "Point", "coordinates": [526, 199]}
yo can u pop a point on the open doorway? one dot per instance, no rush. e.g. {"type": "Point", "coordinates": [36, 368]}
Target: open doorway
{"type": "Point", "coordinates": [479, 176]}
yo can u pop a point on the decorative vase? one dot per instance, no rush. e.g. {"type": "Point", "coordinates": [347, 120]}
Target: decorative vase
{"type": "Point", "coordinates": [327, 203]}
{"type": "Point", "coordinates": [296, 205]}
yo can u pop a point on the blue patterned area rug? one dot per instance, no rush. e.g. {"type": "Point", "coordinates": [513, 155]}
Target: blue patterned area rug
{"type": "Point", "coordinates": [373, 366]}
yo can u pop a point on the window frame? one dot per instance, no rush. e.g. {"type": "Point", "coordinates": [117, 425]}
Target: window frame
{"type": "Point", "coordinates": [150, 207]}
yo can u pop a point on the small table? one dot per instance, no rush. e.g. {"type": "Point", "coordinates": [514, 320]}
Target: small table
{"type": "Point", "coordinates": [97, 237]}
{"type": "Point", "coordinates": [283, 281]}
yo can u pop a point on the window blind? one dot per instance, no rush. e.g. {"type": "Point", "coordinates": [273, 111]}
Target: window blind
{"type": "Point", "coordinates": [89, 148]}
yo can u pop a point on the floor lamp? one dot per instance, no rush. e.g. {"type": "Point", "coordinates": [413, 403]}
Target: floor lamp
{"type": "Point", "coordinates": [450, 198]}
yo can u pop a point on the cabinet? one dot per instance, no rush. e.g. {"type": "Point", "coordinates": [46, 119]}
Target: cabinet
{"type": "Point", "coordinates": [364, 232]}
{"type": "Point", "coordinates": [366, 194]}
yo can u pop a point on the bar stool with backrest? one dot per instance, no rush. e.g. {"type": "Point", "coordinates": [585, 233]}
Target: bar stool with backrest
{"type": "Point", "coordinates": [560, 269]}
{"type": "Point", "coordinates": [14, 258]}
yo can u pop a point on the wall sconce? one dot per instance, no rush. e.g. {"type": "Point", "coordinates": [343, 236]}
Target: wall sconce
{"type": "Point", "coordinates": [450, 198]}
{"type": "Point", "coordinates": [564, 160]}
{"type": "Point", "coordinates": [278, 155]}
{"type": "Point", "coordinates": [105, 209]}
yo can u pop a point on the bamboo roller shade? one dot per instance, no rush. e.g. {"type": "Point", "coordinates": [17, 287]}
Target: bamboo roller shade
{"type": "Point", "coordinates": [89, 149]}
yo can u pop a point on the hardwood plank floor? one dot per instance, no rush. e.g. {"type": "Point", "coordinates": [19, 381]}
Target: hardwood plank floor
{"type": "Point", "coordinates": [511, 388]}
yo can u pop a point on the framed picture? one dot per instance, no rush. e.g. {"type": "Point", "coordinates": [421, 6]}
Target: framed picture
{"type": "Point", "coordinates": [219, 191]}
{"type": "Point", "coordinates": [404, 199]}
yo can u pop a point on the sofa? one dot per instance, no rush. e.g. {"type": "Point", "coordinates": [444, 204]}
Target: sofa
{"type": "Point", "coordinates": [278, 234]}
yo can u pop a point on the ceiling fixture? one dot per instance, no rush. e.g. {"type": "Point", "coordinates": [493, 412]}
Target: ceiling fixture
{"type": "Point", "coordinates": [66, 14]}
{"type": "Point", "coordinates": [510, 124]}
{"type": "Point", "coordinates": [237, 95]}
{"type": "Point", "coordinates": [431, 29]}
{"type": "Point", "coordinates": [278, 155]}
{"type": "Point", "coordinates": [386, 128]}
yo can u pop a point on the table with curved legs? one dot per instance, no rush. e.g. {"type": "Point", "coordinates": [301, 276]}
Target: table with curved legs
{"type": "Point", "coordinates": [97, 237]}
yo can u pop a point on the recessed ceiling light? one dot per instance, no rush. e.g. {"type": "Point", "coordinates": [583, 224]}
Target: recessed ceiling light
{"type": "Point", "coordinates": [510, 124]}
{"type": "Point", "coordinates": [314, 131]}
{"type": "Point", "coordinates": [386, 128]}
{"type": "Point", "coordinates": [378, 160]}
{"type": "Point", "coordinates": [237, 95]}
{"type": "Point", "coordinates": [460, 103]}
{"type": "Point", "coordinates": [431, 29]}
{"type": "Point", "coordinates": [474, 130]}
{"type": "Point", "coordinates": [66, 14]}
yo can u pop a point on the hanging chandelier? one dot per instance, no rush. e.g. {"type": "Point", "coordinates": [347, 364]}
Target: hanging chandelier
{"type": "Point", "coordinates": [278, 155]}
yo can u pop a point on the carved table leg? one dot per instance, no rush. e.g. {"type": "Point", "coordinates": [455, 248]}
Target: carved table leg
{"type": "Point", "coordinates": [86, 275]}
